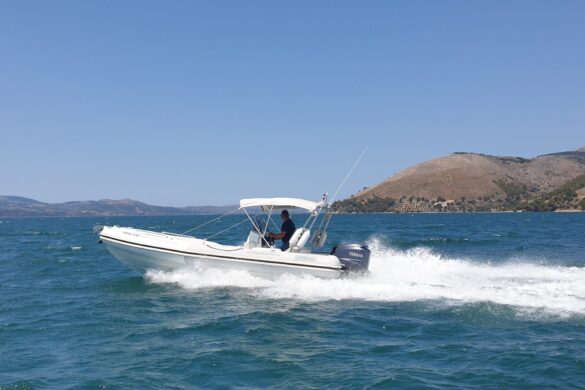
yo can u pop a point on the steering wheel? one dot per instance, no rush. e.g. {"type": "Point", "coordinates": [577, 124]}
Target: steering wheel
{"type": "Point", "coordinates": [269, 240]}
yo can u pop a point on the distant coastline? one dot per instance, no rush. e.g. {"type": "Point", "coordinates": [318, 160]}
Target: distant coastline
{"type": "Point", "coordinates": [458, 183]}
{"type": "Point", "coordinates": [17, 206]}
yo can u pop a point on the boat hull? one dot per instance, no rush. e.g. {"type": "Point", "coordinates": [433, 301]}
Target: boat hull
{"type": "Point", "coordinates": [143, 259]}
{"type": "Point", "coordinates": [143, 250]}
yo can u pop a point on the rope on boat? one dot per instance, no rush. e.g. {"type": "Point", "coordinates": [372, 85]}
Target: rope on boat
{"type": "Point", "coordinates": [226, 229]}
{"type": "Point", "coordinates": [208, 222]}
{"type": "Point", "coordinates": [249, 218]}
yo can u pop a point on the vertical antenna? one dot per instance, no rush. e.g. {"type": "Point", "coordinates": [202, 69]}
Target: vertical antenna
{"type": "Point", "coordinates": [348, 174]}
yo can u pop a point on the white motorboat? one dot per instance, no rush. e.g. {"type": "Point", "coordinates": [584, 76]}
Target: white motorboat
{"type": "Point", "coordinates": [143, 250]}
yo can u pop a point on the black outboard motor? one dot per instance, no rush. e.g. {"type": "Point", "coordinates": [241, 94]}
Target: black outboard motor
{"type": "Point", "coordinates": [353, 257]}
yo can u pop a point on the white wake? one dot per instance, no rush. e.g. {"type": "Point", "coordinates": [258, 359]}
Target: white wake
{"type": "Point", "coordinates": [406, 276]}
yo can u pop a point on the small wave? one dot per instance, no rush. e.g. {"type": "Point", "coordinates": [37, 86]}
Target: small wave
{"type": "Point", "coordinates": [76, 248]}
{"type": "Point", "coordinates": [413, 275]}
{"type": "Point", "coordinates": [436, 241]}
{"type": "Point", "coordinates": [41, 233]}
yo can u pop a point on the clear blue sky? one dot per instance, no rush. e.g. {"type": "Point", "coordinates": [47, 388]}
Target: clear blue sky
{"type": "Point", "coordinates": [203, 102]}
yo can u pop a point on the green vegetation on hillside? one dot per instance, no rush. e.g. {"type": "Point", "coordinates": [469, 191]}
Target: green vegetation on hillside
{"type": "Point", "coordinates": [565, 197]}
{"type": "Point", "coordinates": [369, 205]}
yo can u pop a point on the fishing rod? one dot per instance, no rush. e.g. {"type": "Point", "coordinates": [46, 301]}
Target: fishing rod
{"type": "Point", "coordinates": [355, 164]}
{"type": "Point", "coordinates": [321, 234]}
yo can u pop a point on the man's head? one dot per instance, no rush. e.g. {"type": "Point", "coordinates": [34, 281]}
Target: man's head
{"type": "Point", "coordinates": [284, 215]}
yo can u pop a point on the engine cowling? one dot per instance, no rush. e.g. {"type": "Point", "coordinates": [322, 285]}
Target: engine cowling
{"type": "Point", "coordinates": [353, 257]}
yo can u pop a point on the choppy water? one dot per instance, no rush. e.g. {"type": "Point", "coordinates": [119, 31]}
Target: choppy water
{"type": "Point", "coordinates": [452, 301]}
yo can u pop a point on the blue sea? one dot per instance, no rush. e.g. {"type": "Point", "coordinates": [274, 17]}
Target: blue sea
{"type": "Point", "coordinates": [469, 301]}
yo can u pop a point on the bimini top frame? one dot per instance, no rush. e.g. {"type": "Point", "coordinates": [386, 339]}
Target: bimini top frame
{"type": "Point", "coordinates": [274, 204]}
{"type": "Point", "coordinates": [268, 205]}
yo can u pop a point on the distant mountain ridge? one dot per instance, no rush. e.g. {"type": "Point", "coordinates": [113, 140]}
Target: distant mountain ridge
{"type": "Point", "coordinates": [478, 182]}
{"type": "Point", "coordinates": [17, 206]}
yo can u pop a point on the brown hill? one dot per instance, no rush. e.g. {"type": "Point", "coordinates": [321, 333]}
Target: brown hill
{"type": "Point", "coordinates": [468, 182]}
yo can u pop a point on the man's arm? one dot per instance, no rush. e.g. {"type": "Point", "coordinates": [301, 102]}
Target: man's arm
{"type": "Point", "coordinates": [278, 236]}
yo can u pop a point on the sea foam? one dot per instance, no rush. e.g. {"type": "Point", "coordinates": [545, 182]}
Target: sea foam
{"type": "Point", "coordinates": [413, 275]}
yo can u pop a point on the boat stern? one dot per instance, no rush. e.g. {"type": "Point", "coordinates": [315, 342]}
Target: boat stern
{"type": "Point", "coordinates": [353, 257]}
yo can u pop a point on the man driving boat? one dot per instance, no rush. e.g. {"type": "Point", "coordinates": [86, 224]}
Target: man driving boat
{"type": "Point", "coordinates": [286, 230]}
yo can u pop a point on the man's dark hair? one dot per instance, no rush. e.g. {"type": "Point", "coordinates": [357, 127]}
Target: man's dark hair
{"type": "Point", "coordinates": [285, 213]}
